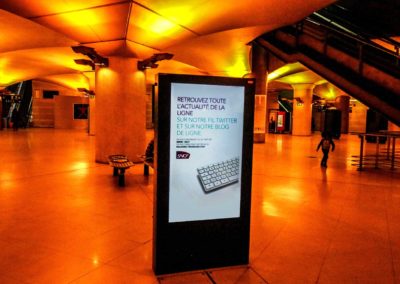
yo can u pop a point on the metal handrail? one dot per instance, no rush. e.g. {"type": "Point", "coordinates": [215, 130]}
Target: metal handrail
{"type": "Point", "coordinates": [391, 151]}
{"type": "Point", "coordinates": [357, 38]}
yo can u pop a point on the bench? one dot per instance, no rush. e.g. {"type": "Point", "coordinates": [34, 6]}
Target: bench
{"type": "Point", "coordinates": [146, 166]}
{"type": "Point", "coordinates": [119, 163]}
{"type": "Point", "coordinates": [147, 163]}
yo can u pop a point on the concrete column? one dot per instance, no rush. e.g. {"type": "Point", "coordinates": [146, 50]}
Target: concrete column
{"type": "Point", "coordinates": [92, 106]}
{"type": "Point", "coordinates": [342, 103]}
{"type": "Point", "coordinates": [1, 114]}
{"type": "Point", "coordinates": [259, 71]}
{"type": "Point", "coordinates": [302, 109]}
{"type": "Point", "coordinates": [120, 109]}
{"type": "Point", "coordinates": [92, 116]}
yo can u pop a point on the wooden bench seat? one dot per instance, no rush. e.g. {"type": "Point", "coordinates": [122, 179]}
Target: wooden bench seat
{"type": "Point", "coordinates": [119, 163]}
{"type": "Point", "coordinates": [146, 166]}
{"type": "Point", "coordinates": [147, 163]}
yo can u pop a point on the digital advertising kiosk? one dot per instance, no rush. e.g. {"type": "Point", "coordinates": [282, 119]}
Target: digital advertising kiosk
{"type": "Point", "coordinates": [203, 168]}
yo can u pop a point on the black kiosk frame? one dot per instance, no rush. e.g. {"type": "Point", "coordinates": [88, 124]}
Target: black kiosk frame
{"type": "Point", "coordinates": [199, 244]}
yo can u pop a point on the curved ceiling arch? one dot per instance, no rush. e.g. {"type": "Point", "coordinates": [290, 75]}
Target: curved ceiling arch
{"type": "Point", "coordinates": [18, 33]}
{"type": "Point", "coordinates": [207, 16]}
{"type": "Point", "coordinates": [209, 35]}
{"type": "Point", "coordinates": [69, 81]}
{"type": "Point", "coordinates": [21, 65]}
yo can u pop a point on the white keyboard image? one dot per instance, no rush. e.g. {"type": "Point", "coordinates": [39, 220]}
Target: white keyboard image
{"type": "Point", "coordinates": [218, 175]}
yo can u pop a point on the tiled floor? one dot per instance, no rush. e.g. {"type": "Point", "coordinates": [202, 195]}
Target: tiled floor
{"type": "Point", "coordinates": [63, 218]}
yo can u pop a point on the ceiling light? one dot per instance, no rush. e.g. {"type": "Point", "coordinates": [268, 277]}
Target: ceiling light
{"type": "Point", "coordinates": [88, 93]}
{"type": "Point", "coordinates": [151, 61]}
{"type": "Point", "coordinates": [85, 62]}
{"type": "Point", "coordinates": [90, 52]}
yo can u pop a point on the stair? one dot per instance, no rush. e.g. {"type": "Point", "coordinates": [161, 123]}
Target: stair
{"type": "Point", "coordinates": [358, 66]}
{"type": "Point", "coordinates": [24, 105]}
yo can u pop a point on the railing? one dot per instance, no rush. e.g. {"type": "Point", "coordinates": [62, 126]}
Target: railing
{"type": "Point", "coordinates": [383, 155]}
{"type": "Point", "coordinates": [362, 48]}
{"type": "Point", "coordinates": [342, 31]}
{"type": "Point", "coordinates": [357, 65]}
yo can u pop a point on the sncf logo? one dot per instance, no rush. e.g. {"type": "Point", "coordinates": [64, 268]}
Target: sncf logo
{"type": "Point", "coordinates": [182, 155]}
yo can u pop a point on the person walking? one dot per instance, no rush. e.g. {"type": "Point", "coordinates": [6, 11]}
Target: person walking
{"type": "Point", "coordinates": [272, 125]}
{"type": "Point", "coordinates": [15, 119]}
{"type": "Point", "coordinates": [325, 144]}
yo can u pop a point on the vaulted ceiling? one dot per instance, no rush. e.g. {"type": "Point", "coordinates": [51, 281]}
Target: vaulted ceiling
{"type": "Point", "coordinates": [207, 37]}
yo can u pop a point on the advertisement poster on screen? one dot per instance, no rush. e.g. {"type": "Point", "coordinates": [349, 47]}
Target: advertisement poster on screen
{"type": "Point", "coordinates": [205, 152]}
{"type": "Point", "coordinates": [280, 125]}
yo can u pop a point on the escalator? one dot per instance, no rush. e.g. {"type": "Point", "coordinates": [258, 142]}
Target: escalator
{"type": "Point", "coordinates": [19, 100]}
{"type": "Point", "coordinates": [343, 45]}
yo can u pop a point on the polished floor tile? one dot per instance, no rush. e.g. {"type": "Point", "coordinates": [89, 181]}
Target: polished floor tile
{"type": "Point", "coordinates": [138, 260]}
{"type": "Point", "coordinates": [8, 280]}
{"type": "Point", "coordinates": [111, 274]}
{"type": "Point", "coordinates": [198, 278]}
{"type": "Point", "coordinates": [236, 275]}
{"type": "Point", "coordinates": [63, 219]}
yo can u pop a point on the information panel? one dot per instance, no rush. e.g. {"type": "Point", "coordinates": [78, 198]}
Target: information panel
{"type": "Point", "coordinates": [202, 166]}
{"type": "Point", "coordinates": [205, 151]}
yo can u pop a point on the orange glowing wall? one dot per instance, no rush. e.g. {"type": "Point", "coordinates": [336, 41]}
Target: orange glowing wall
{"type": "Point", "coordinates": [64, 113]}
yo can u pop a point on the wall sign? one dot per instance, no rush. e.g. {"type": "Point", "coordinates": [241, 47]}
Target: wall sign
{"type": "Point", "coordinates": [81, 111]}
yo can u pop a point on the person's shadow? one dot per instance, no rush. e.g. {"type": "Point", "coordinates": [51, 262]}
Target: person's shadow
{"type": "Point", "coordinates": [324, 189]}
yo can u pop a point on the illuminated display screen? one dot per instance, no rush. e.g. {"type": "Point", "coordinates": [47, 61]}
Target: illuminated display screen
{"type": "Point", "coordinates": [206, 137]}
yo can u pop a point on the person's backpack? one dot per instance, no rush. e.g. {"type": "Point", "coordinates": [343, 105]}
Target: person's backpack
{"type": "Point", "coordinates": [326, 144]}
